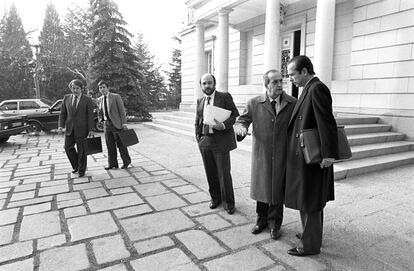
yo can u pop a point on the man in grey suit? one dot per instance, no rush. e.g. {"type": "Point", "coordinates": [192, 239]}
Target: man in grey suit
{"type": "Point", "coordinates": [215, 143]}
{"type": "Point", "coordinates": [112, 111]}
{"type": "Point", "coordinates": [76, 116]}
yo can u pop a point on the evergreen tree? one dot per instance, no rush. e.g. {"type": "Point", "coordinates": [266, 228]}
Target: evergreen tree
{"type": "Point", "coordinates": [152, 84]}
{"type": "Point", "coordinates": [16, 64]}
{"type": "Point", "coordinates": [53, 75]}
{"type": "Point", "coordinates": [174, 79]}
{"type": "Point", "coordinates": [112, 57]}
{"type": "Point", "coordinates": [77, 26]}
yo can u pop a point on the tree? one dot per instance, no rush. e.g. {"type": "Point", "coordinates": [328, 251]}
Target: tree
{"type": "Point", "coordinates": [53, 75]}
{"type": "Point", "coordinates": [112, 57]}
{"type": "Point", "coordinates": [78, 41]}
{"type": "Point", "coordinates": [174, 79]}
{"type": "Point", "coordinates": [152, 84]}
{"type": "Point", "coordinates": [16, 64]}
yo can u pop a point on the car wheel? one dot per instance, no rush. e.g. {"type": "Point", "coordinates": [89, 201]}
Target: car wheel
{"type": "Point", "coordinates": [34, 127]}
{"type": "Point", "coordinates": [99, 126]}
{"type": "Point", "coordinates": [4, 139]}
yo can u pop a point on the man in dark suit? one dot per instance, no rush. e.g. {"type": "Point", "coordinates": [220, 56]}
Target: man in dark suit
{"type": "Point", "coordinates": [215, 142]}
{"type": "Point", "coordinates": [112, 111]}
{"type": "Point", "coordinates": [270, 114]}
{"type": "Point", "coordinates": [76, 116]}
{"type": "Point", "coordinates": [309, 187]}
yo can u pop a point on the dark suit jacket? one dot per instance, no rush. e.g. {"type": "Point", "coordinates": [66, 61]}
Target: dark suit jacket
{"type": "Point", "coordinates": [79, 121]}
{"type": "Point", "coordinates": [225, 139]}
{"type": "Point", "coordinates": [308, 187]}
{"type": "Point", "coordinates": [116, 109]}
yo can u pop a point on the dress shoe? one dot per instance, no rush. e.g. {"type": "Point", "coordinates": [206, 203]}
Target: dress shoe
{"type": "Point", "coordinates": [81, 174]}
{"type": "Point", "coordinates": [124, 166]}
{"type": "Point", "coordinates": [75, 170]}
{"type": "Point", "coordinates": [274, 234]}
{"type": "Point", "coordinates": [296, 251]}
{"type": "Point", "coordinates": [214, 205]}
{"type": "Point", "coordinates": [230, 211]}
{"type": "Point", "coordinates": [110, 167]}
{"type": "Point", "coordinates": [261, 224]}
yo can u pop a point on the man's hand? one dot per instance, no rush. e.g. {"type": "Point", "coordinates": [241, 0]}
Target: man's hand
{"type": "Point", "coordinates": [91, 134]}
{"type": "Point", "coordinates": [218, 125]}
{"type": "Point", "coordinates": [60, 130]}
{"type": "Point", "coordinates": [327, 162]}
{"type": "Point", "coordinates": [125, 126]}
{"type": "Point", "coordinates": [240, 130]}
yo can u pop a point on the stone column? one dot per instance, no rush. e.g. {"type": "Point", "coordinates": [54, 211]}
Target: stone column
{"type": "Point", "coordinates": [222, 74]}
{"type": "Point", "coordinates": [200, 66]}
{"type": "Point", "coordinates": [272, 36]}
{"type": "Point", "coordinates": [324, 40]}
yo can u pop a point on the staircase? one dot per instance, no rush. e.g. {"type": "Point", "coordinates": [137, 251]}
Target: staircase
{"type": "Point", "coordinates": [374, 146]}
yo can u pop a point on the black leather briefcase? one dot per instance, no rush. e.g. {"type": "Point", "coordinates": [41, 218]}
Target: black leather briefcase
{"type": "Point", "coordinates": [92, 145]}
{"type": "Point", "coordinates": [128, 137]}
{"type": "Point", "coordinates": [311, 145]}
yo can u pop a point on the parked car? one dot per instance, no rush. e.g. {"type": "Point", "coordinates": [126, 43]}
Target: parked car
{"type": "Point", "coordinates": [23, 106]}
{"type": "Point", "coordinates": [11, 125]}
{"type": "Point", "coordinates": [47, 120]}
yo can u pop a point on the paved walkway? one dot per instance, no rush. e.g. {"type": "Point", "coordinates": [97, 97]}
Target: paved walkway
{"type": "Point", "coordinates": [155, 215]}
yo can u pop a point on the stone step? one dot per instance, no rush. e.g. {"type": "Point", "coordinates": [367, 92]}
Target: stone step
{"type": "Point", "coordinates": [345, 120]}
{"type": "Point", "coordinates": [175, 124]}
{"type": "Point", "coordinates": [370, 150]}
{"type": "Point", "coordinates": [366, 128]}
{"type": "Point", "coordinates": [181, 119]}
{"type": "Point", "coordinates": [371, 138]}
{"type": "Point", "coordinates": [360, 166]}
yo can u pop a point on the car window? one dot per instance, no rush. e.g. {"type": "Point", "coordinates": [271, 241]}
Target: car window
{"type": "Point", "coordinates": [28, 105]}
{"type": "Point", "coordinates": [9, 106]}
{"type": "Point", "coordinates": [57, 106]}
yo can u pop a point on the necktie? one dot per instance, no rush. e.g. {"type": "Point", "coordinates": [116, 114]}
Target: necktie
{"type": "Point", "coordinates": [208, 100]}
{"type": "Point", "coordinates": [106, 108]}
{"type": "Point", "coordinates": [75, 102]}
{"type": "Point", "coordinates": [274, 106]}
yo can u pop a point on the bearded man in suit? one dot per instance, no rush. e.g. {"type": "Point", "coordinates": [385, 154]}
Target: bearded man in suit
{"type": "Point", "coordinates": [112, 112]}
{"type": "Point", "coordinates": [309, 187]}
{"type": "Point", "coordinates": [215, 143]}
{"type": "Point", "coordinates": [76, 116]}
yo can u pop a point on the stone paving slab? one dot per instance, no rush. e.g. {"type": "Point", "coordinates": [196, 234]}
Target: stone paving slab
{"type": "Point", "coordinates": [155, 215]}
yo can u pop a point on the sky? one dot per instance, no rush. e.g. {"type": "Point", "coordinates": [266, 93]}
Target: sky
{"type": "Point", "coordinates": [157, 20]}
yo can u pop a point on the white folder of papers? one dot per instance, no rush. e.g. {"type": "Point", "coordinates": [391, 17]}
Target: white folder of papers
{"type": "Point", "coordinates": [213, 112]}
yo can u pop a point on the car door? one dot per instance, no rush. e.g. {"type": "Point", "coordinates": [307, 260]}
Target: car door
{"type": "Point", "coordinates": [29, 107]}
{"type": "Point", "coordinates": [9, 107]}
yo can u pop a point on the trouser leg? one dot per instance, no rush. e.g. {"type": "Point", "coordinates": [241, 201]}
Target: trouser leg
{"type": "Point", "coordinates": [224, 176]}
{"type": "Point", "coordinates": [70, 150]}
{"type": "Point", "coordinates": [275, 215]}
{"type": "Point", "coordinates": [110, 144]}
{"type": "Point", "coordinates": [211, 174]}
{"type": "Point", "coordinates": [311, 240]}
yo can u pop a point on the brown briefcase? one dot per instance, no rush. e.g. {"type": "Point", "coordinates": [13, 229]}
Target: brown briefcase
{"type": "Point", "coordinates": [128, 137]}
{"type": "Point", "coordinates": [92, 145]}
{"type": "Point", "coordinates": [311, 145]}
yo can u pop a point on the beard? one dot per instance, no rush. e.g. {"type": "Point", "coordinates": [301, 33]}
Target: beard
{"type": "Point", "coordinates": [208, 91]}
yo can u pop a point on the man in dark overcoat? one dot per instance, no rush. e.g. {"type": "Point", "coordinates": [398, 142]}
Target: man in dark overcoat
{"type": "Point", "coordinates": [309, 187]}
{"type": "Point", "coordinates": [270, 114]}
{"type": "Point", "coordinates": [215, 142]}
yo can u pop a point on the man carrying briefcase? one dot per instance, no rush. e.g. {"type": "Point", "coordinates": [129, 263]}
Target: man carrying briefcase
{"type": "Point", "coordinates": [112, 111]}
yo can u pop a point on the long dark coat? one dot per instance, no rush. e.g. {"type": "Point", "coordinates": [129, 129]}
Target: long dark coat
{"type": "Point", "coordinates": [269, 146]}
{"type": "Point", "coordinates": [308, 187]}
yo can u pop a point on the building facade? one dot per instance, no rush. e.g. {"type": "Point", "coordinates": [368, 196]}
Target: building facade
{"type": "Point", "coordinates": [362, 49]}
